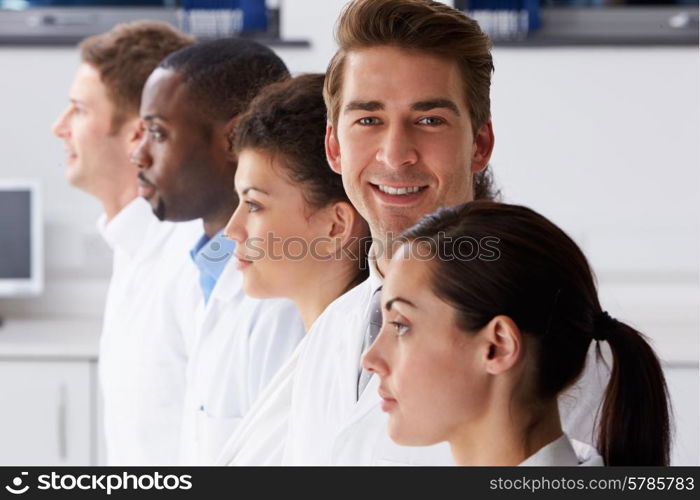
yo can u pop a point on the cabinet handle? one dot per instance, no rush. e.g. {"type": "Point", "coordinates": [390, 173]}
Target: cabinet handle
{"type": "Point", "coordinates": [62, 409]}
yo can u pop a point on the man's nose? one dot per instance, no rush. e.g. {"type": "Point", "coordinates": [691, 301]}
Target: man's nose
{"type": "Point", "coordinates": [60, 127]}
{"type": "Point", "coordinates": [140, 155]}
{"type": "Point", "coordinates": [397, 147]}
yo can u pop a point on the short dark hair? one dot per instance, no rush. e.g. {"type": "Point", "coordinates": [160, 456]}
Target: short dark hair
{"type": "Point", "coordinates": [288, 119]}
{"type": "Point", "coordinates": [222, 76]}
{"type": "Point", "coordinates": [541, 280]}
{"type": "Point", "coordinates": [125, 56]}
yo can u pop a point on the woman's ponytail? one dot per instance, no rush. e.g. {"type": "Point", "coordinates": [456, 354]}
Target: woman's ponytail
{"type": "Point", "coordinates": [542, 281]}
{"type": "Point", "coordinates": [634, 425]}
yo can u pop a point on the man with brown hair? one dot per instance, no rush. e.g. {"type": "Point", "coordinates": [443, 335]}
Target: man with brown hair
{"type": "Point", "coordinates": [148, 311]}
{"type": "Point", "coordinates": [409, 129]}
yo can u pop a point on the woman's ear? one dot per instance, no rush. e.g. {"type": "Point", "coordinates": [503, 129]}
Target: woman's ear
{"type": "Point", "coordinates": [504, 345]}
{"type": "Point", "coordinates": [332, 149]}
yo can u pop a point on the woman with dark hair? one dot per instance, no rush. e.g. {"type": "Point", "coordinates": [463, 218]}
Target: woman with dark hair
{"type": "Point", "coordinates": [298, 236]}
{"type": "Point", "coordinates": [489, 310]}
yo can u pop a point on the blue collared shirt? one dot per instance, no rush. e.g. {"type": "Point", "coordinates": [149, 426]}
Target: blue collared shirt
{"type": "Point", "coordinates": [211, 255]}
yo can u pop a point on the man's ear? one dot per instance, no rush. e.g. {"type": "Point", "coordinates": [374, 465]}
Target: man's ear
{"type": "Point", "coordinates": [504, 345]}
{"type": "Point", "coordinates": [332, 149]}
{"type": "Point", "coordinates": [229, 133]}
{"type": "Point", "coordinates": [483, 147]}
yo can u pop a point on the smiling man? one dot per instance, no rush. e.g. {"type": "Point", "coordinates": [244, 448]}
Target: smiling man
{"type": "Point", "coordinates": [148, 315]}
{"type": "Point", "coordinates": [409, 129]}
{"type": "Point", "coordinates": [190, 106]}
{"type": "Point", "coordinates": [406, 142]}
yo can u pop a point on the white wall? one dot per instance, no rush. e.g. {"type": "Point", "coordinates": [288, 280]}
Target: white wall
{"type": "Point", "coordinates": [34, 85]}
{"type": "Point", "coordinates": [602, 140]}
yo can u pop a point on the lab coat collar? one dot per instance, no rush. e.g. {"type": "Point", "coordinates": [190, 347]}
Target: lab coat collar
{"type": "Point", "coordinates": [211, 255]}
{"type": "Point", "coordinates": [350, 353]}
{"type": "Point", "coordinates": [228, 289]}
{"type": "Point", "coordinates": [561, 452]}
{"type": "Point", "coordinates": [128, 229]}
{"type": "Point", "coordinates": [375, 277]}
{"type": "Point", "coordinates": [229, 284]}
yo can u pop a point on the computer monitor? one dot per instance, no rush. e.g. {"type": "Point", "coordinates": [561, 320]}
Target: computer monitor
{"type": "Point", "coordinates": [21, 235]}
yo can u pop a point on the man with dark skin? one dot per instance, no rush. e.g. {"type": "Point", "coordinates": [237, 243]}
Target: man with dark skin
{"type": "Point", "coordinates": [189, 106]}
{"type": "Point", "coordinates": [195, 167]}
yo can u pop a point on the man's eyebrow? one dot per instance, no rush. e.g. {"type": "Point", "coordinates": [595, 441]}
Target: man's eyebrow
{"type": "Point", "coordinates": [390, 303]}
{"type": "Point", "coordinates": [363, 106]}
{"type": "Point", "coordinates": [435, 103]}
{"type": "Point", "coordinates": [253, 188]}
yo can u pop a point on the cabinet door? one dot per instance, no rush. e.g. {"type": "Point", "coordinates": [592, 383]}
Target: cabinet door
{"type": "Point", "coordinates": [46, 413]}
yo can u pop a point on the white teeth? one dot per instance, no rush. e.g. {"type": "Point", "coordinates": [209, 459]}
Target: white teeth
{"type": "Point", "coordinates": [403, 190]}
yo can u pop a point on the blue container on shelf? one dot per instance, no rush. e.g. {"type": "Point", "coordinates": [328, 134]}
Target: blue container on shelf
{"type": "Point", "coordinates": [505, 19]}
{"type": "Point", "coordinates": [254, 15]}
{"type": "Point", "coordinates": [222, 18]}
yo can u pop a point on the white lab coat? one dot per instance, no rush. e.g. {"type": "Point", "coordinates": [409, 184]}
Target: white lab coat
{"type": "Point", "coordinates": [327, 425]}
{"type": "Point", "coordinates": [240, 344]}
{"type": "Point", "coordinates": [260, 437]}
{"type": "Point", "coordinates": [146, 334]}
{"type": "Point", "coordinates": [564, 452]}
{"type": "Point", "coordinates": [314, 398]}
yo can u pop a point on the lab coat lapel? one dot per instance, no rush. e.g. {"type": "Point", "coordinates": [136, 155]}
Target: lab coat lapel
{"type": "Point", "coordinates": [347, 360]}
{"type": "Point", "coordinates": [227, 286]}
{"type": "Point", "coordinates": [350, 357]}
{"type": "Point", "coordinates": [368, 401]}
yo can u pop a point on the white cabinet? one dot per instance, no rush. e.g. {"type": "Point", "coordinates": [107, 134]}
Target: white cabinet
{"type": "Point", "coordinates": [47, 415]}
{"type": "Point", "coordinates": [48, 392]}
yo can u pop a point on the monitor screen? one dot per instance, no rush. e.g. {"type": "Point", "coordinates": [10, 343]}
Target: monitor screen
{"type": "Point", "coordinates": [21, 239]}
{"type": "Point", "coordinates": [15, 234]}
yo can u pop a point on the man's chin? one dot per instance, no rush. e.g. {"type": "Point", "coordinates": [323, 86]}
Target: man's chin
{"type": "Point", "coordinates": [157, 206]}
{"type": "Point", "coordinates": [395, 222]}
{"type": "Point", "coordinates": [75, 178]}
